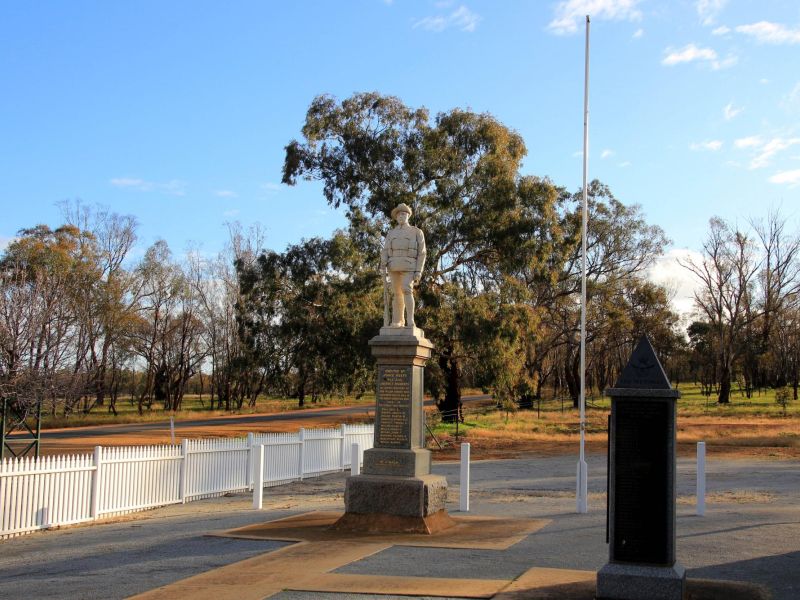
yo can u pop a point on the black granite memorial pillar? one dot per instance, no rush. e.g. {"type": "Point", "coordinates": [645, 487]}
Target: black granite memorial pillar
{"type": "Point", "coordinates": [641, 495]}
{"type": "Point", "coordinates": [396, 491]}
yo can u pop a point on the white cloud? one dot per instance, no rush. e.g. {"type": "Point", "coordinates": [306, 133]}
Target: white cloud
{"type": "Point", "coordinates": [692, 53]}
{"type": "Point", "coordinates": [708, 10]}
{"type": "Point", "coordinates": [688, 53]}
{"type": "Point", "coordinates": [461, 18]}
{"type": "Point", "coordinates": [769, 149]}
{"type": "Point", "coordinates": [432, 23]}
{"type": "Point", "coordinates": [624, 164]}
{"type": "Point", "coordinates": [748, 142]}
{"type": "Point", "coordinates": [271, 188]}
{"type": "Point", "coordinates": [225, 194]}
{"type": "Point", "coordinates": [711, 145]}
{"type": "Point", "coordinates": [725, 63]}
{"type": "Point", "coordinates": [173, 187]}
{"type": "Point", "coordinates": [791, 101]}
{"type": "Point", "coordinates": [730, 111]}
{"type": "Point", "coordinates": [792, 178]}
{"type": "Point", "coordinates": [607, 153]}
{"type": "Point", "coordinates": [766, 32]}
{"type": "Point", "coordinates": [638, 33]}
{"type": "Point", "coordinates": [569, 13]}
{"type": "Point", "coordinates": [722, 30]}
{"type": "Point", "coordinates": [763, 81]}
{"type": "Point", "coordinates": [129, 182]}
{"type": "Point", "coordinates": [231, 213]}
{"type": "Point", "coordinates": [679, 280]}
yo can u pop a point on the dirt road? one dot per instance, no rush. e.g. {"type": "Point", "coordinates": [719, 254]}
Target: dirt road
{"type": "Point", "coordinates": [83, 439]}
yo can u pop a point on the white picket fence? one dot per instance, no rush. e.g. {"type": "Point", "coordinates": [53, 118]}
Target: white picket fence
{"type": "Point", "coordinates": [63, 490]}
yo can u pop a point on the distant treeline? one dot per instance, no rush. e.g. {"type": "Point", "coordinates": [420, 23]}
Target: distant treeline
{"type": "Point", "coordinates": [81, 322]}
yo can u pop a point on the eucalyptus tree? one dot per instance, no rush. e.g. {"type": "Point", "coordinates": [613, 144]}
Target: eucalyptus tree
{"type": "Point", "coordinates": [44, 273]}
{"type": "Point", "coordinates": [308, 313]}
{"type": "Point", "coordinates": [459, 171]}
{"type": "Point", "coordinates": [726, 275]}
{"type": "Point", "coordinates": [235, 374]}
{"type": "Point", "coordinates": [621, 247]}
{"type": "Point", "coordinates": [106, 303]}
{"type": "Point", "coordinates": [159, 283]}
{"type": "Point", "coordinates": [777, 293]}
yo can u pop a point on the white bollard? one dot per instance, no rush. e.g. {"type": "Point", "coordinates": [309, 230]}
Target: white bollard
{"type": "Point", "coordinates": [258, 478]}
{"type": "Point", "coordinates": [251, 445]}
{"type": "Point", "coordinates": [582, 487]}
{"type": "Point", "coordinates": [463, 503]}
{"type": "Point", "coordinates": [184, 470]}
{"type": "Point", "coordinates": [355, 459]}
{"type": "Point", "coordinates": [96, 487]}
{"type": "Point", "coordinates": [302, 464]}
{"type": "Point", "coordinates": [701, 479]}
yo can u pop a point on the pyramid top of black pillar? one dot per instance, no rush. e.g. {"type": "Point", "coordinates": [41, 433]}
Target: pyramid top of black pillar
{"type": "Point", "coordinates": [643, 376]}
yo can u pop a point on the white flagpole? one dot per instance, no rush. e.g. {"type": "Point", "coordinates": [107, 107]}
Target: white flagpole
{"type": "Point", "coordinates": [582, 476]}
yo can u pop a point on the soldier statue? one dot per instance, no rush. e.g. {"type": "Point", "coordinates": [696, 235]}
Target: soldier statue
{"type": "Point", "coordinates": [402, 259]}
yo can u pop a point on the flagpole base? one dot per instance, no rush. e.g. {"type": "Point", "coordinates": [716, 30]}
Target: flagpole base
{"type": "Point", "coordinates": [582, 485]}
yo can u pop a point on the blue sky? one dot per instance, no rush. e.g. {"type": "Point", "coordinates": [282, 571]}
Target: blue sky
{"type": "Point", "coordinates": [178, 112]}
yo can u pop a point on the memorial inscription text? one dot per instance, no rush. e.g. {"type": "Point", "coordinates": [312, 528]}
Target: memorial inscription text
{"type": "Point", "coordinates": [393, 413]}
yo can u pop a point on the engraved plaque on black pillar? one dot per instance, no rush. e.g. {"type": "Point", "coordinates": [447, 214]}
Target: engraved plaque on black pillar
{"type": "Point", "coordinates": [393, 410]}
{"type": "Point", "coordinates": [642, 492]}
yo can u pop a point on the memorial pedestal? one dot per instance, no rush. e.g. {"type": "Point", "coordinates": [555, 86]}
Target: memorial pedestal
{"type": "Point", "coordinates": [396, 491]}
{"type": "Point", "coordinates": [642, 485]}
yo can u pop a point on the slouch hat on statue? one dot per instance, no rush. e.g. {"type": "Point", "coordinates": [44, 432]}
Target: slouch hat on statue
{"type": "Point", "coordinates": [402, 207]}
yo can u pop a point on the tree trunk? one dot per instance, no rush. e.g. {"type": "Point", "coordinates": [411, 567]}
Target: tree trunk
{"type": "Point", "coordinates": [573, 377]}
{"type": "Point", "coordinates": [724, 386]}
{"type": "Point", "coordinates": [450, 406]}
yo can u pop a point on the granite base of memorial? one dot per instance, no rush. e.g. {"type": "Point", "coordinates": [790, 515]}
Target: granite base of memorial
{"type": "Point", "coordinates": [635, 582]}
{"type": "Point", "coordinates": [396, 492]}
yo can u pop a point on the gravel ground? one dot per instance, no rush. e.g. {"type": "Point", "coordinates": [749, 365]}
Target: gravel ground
{"type": "Point", "coordinates": [751, 532]}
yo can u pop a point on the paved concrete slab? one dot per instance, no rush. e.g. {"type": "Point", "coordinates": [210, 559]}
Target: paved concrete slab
{"type": "Point", "coordinates": [265, 575]}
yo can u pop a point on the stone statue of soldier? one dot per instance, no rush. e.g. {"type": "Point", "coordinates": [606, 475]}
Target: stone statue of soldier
{"type": "Point", "coordinates": [402, 260]}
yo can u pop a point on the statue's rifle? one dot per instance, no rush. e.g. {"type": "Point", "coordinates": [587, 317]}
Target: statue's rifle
{"type": "Point", "coordinates": [386, 312]}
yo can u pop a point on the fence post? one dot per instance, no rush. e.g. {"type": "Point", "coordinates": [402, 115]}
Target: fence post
{"type": "Point", "coordinates": [302, 435]}
{"type": "Point", "coordinates": [98, 451]}
{"type": "Point", "coordinates": [701, 479]}
{"type": "Point", "coordinates": [258, 477]}
{"type": "Point", "coordinates": [184, 469]}
{"type": "Point", "coordinates": [343, 446]}
{"type": "Point", "coordinates": [463, 503]}
{"type": "Point", "coordinates": [355, 459]}
{"type": "Point", "coordinates": [249, 467]}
